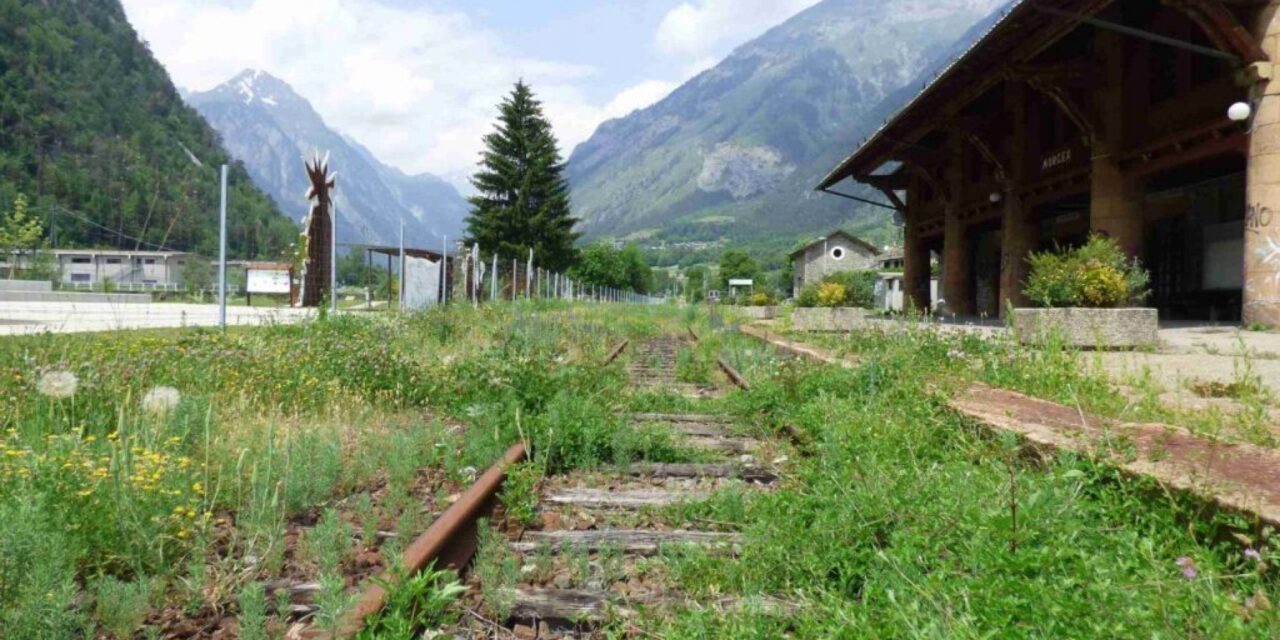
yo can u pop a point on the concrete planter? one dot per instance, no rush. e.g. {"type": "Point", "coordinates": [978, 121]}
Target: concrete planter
{"type": "Point", "coordinates": [756, 313]}
{"type": "Point", "coordinates": [1083, 327]}
{"type": "Point", "coordinates": [828, 318]}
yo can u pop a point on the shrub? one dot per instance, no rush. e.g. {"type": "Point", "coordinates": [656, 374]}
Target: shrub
{"type": "Point", "coordinates": [1097, 274]}
{"type": "Point", "coordinates": [843, 289]}
{"type": "Point", "coordinates": [831, 294]}
{"type": "Point", "coordinates": [761, 299]}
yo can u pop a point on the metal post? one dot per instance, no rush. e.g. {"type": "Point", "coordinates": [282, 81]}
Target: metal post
{"type": "Point", "coordinates": [493, 284]}
{"type": "Point", "coordinates": [222, 255]}
{"type": "Point", "coordinates": [333, 256]}
{"type": "Point", "coordinates": [404, 275]}
{"type": "Point", "coordinates": [444, 269]}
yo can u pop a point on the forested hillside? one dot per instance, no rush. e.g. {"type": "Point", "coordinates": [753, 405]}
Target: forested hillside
{"type": "Point", "coordinates": [93, 131]}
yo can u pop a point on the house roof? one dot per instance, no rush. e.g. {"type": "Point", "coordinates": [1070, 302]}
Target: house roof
{"type": "Point", "coordinates": [875, 251]}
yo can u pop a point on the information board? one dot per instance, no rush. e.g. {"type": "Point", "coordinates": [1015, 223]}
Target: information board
{"type": "Point", "coordinates": [266, 281]}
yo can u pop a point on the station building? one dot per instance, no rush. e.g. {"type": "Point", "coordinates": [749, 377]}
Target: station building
{"type": "Point", "coordinates": [1153, 122]}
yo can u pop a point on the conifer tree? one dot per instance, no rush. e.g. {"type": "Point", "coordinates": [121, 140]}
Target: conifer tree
{"type": "Point", "coordinates": [523, 199]}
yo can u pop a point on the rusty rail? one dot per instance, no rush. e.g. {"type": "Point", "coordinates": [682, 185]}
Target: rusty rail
{"type": "Point", "coordinates": [734, 377]}
{"type": "Point", "coordinates": [617, 351]}
{"type": "Point", "coordinates": [450, 541]}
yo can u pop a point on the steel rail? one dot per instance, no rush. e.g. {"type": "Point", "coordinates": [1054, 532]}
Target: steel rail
{"type": "Point", "coordinates": [450, 541]}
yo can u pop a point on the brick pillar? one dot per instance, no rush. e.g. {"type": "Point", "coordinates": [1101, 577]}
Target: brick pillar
{"type": "Point", "coordinates": [1019, 236]}
{"type": "Point", "coordinates": [916, 270]}
{"type": "Point", "coordinates": [957, 266]}
{"type": "Point", "coordinates": [1262, 192]}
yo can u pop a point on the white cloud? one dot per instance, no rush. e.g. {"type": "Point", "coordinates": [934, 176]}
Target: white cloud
{"type": "Point", "coordinates": [638, 97]}
{"type": "Point", "coordinates": [699, 27]}
{"type": "Point", "coordinates": [417, 86]}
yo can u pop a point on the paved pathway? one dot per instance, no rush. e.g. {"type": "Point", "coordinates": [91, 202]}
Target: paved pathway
{"type": "Point", "coordinates": [71, 317]}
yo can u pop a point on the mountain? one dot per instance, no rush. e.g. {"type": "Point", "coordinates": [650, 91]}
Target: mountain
{"type": "Point", "coordinates": [736, 152]}
{"type": "Point", "coordinates": [94, 133]}
{"type": "Point", "coordinates": [271, 128]}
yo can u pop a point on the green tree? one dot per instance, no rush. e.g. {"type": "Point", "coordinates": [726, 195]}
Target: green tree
{"type": "Point", "coordinates": [523, 199]}
{"type": "Point", "coordinates": [18, 232]}
{"type": "Point", "coordinates": [354, 270]}
{"type": "Point", "coordinates": [786, 278]}
{"type": "Point", "coordinates": [601, 265]}
{"type": "Point", "coordinates": [697, 281]}
{"type": "Point", "coordinates": [197, 274]}
{"type": "Point", "coordinates": [638, 275]}
{"type": "Point", "coordinates": [735, 264]}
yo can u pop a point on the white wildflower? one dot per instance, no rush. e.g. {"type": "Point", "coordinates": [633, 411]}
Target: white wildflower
{"type": "Point", "coordinates": [58, 384]}
{"type": "Point", "coordinates": [161, 400]}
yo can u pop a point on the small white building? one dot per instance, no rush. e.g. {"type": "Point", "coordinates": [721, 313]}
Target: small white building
{"type": "Point", "coordinates": [91, 268]}
{"type": "Point", "coordinates": [891, 285]}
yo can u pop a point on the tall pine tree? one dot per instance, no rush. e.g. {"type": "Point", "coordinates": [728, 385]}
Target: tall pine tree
{"type": "Point", "coordinates": [524, 198]}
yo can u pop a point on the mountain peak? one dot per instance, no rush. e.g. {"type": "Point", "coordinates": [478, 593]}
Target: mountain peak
{"type": "Point", "coordinates": [256, 85]}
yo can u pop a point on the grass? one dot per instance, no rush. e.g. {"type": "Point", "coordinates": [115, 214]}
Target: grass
{"type": "Point", "coordinates": [1076, 378]}
{"type": "Point", "coordinates": [338, 428]}
{"type": "Point", "coordinates": [295, 449]}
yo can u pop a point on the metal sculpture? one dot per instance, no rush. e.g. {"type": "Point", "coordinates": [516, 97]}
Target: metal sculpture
{"type": "Point", "coordinates": [319, 226]}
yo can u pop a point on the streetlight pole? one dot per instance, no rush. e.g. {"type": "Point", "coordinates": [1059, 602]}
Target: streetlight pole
{"type": "Point", "coordinates": [222, 255]}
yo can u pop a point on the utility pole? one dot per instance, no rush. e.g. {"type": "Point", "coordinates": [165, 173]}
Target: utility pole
{"type": "Point", "coordinates": [444, 269]}
{"type": "Point", "coordinates": [222, 255]}
{"type": "Point", "coordinates": [403, 262]}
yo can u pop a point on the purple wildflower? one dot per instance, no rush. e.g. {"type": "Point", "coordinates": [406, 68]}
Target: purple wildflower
{"type": "Point", "coordinates": [1189, 570]}
{"type": "Point", "coordinates": [1253, 554]}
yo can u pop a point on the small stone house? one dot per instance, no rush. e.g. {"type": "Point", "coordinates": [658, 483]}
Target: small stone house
{"type": "Point", "coordinates": [833, 253]}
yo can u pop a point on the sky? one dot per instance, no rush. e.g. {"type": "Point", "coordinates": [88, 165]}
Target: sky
{"type": "Point", "coordinates": [418, 81]}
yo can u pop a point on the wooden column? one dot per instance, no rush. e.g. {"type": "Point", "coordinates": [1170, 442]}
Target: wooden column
{"type": "Point", "coordinates": [1115, 205]}
{"type": "Point", "coordinates": [957, 252]}
{"type": "Point", "coordinates": [917, 272]}
{"type": "Point", "coordinates": [1262, 191]}
{"type": "Point", "coordinates": [1019, 233]}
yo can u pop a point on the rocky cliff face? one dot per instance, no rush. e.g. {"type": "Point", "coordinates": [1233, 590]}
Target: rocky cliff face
{"type": "Point", "coordinates": [268, 126]}
{"type": "Point", "coordinates": [747, 140]}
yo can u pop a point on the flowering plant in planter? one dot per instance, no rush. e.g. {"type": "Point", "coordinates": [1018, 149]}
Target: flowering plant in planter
{"type": "Point", "coordinates": [1095, 275]}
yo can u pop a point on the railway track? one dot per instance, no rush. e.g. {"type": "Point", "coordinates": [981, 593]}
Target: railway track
{"type": "Point", "coordinates": [595, 554]}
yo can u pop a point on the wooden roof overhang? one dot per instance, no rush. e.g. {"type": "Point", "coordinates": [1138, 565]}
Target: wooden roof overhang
{"type": "Point", "coordinates": [1027, 29]}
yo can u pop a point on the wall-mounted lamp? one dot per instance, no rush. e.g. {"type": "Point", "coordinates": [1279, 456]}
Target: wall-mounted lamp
{"type": "Point", "coordinates": [1240, 112]}
{"type": "Point", "coordinates": [995, 197]}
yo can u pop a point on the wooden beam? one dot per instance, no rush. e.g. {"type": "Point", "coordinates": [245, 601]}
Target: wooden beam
{"type": "Point", "coordinates": [889, 185]}
{"type": "Point", "coordinates": [1081, 116]}
{"type": "Point", "coordinates": [1221, 26]}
